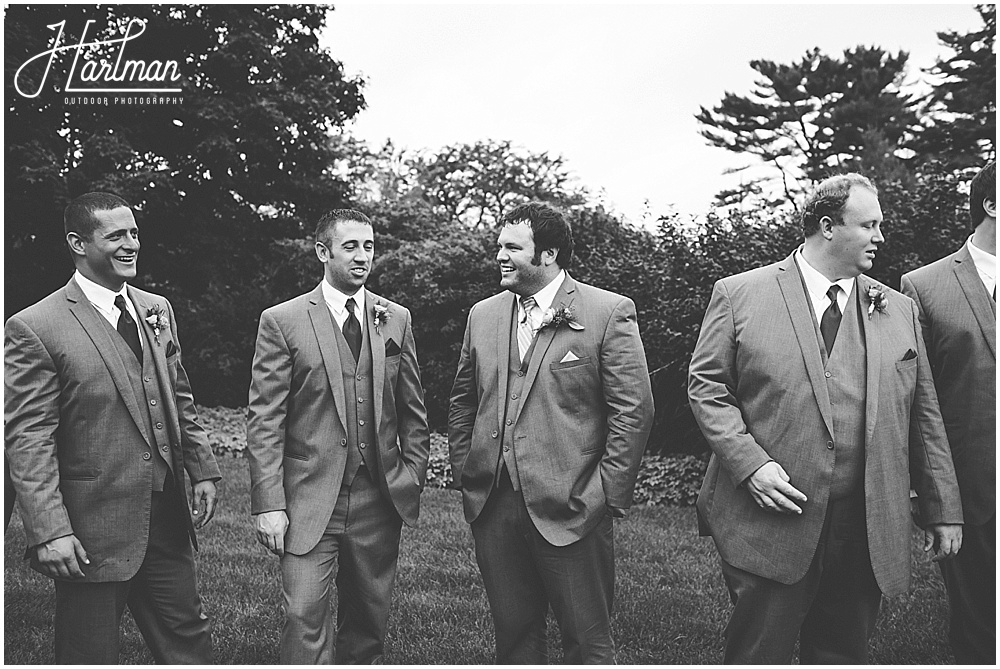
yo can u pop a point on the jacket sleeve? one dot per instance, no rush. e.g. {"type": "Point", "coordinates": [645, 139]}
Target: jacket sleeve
{"type": "Point", "coordinates": [411, 414]}
{"type": "Point", "coordinates": [31, 418]}
{"type": "Point", "coordinates": [267, 414]}
{"type": "Point", "coordinates": [629, 398]}
{"type": "Point", "coordinates": [463, 408]}
{"type": "Point", "coordinates": [712, 383]}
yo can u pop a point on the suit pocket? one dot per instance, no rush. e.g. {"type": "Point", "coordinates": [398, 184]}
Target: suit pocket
{"type": "Point", "coordinates": [906, 365]}
{"type": "Point", "coordinates": [296, 456]}
{"type": "Point", "coordinates": [579, 362]}
{"type": "Point", "coordinates": [77, 477]}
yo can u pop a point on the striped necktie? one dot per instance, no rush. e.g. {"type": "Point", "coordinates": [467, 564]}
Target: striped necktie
{"type": "Point", "coordinates": [526, 326]}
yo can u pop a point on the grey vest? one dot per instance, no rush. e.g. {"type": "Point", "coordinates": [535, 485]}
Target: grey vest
{"type": "Point", "coordinates": [515, 383]}
{"type": "Point", "coordinates": [846, 381]}
{"type": "Point", "coordinates": [359, 394]}
{"type": "Point", "coordinates": [148, 396]}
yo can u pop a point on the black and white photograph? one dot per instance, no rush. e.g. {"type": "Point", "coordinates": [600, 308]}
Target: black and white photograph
{"type": "Point", "coordinates": [451, 334]}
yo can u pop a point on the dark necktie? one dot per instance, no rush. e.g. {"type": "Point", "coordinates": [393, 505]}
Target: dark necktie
{"type": "Point", "coordinates": [127, 328]}
{"type": "Point", "coordinates": [352, 329]}
{"type": "Point", "coordinates": [830, 322]}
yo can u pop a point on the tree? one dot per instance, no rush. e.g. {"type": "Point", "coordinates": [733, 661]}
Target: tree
{"type": "Point", "coordinates": [960, 128]}
{"type": "Point", "coordinates": [814, 115]}
{"type": "Point", "coordinates": [243, 161]}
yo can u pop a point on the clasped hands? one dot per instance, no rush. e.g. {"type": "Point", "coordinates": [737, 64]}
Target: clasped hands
{"type": "Point", "coordinates": [62, 557]}
{"type": "Point", "coordinates": [770, 488]}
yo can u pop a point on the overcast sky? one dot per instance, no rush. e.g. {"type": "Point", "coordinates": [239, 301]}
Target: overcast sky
{"type": "Point", "coordinates": [613, 89]}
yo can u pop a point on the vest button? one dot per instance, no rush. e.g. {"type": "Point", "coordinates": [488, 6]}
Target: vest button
{"type": "Point", "coordinates": [152, 403]}
{"type": "Point", "coordinates": [360, 400]}
{"type": "Point", "coordinates": [513, 396]}
{"type": "Point", "coordinates": [362, 445]}
{"type": "Point", "coordinates": [159, 426]}
{"type": "Point", "coordinates": [495, 434]}
{"type": "Point", "coordinates": [829, 445]}
{"type": "Point", "coordinates": [520, 373]}
{"type": "Point", "coordinates": [828, 375]}
{"type": "Point", "coordinates": [360, 378]}
{"type": "Point", "coordinates": [506, 448]}
{"type": "Point", "coordinates": [146, 456]}
{"type": "Point", "coordinates": [361, 422]}
{"type": "Point", "coordinates": [343, 442]}
{"type": "Point", "coordinates": [510, 422]}
{"type": "Point", "coordinates": [164, 449]}
{"type": "Point", "coordinates": [146, 379]}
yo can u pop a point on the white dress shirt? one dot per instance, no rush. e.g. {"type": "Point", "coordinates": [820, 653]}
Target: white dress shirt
{"type": "Point", "coordinates": [337, 303]}
{"type": "Point", "coordinates": [986, 265]}
{"type": "Point", "coordinates": [544, 297]}
{"type": "Point", "coordinates": [817, 285]}
{"type": "Point", "coordinates": [104, 301]}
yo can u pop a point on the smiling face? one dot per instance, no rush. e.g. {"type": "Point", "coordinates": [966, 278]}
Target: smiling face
{"type": "Point", "coordinates": [852, 244]}
{"type": "Point", "coordinates": [347, 254]}
{"type": "Point", "coordinates": [520, 271]}
{"type": "Point", "coordinates": [108, 257]}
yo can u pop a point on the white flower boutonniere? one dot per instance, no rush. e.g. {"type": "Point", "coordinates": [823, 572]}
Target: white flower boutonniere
{"type": "Point", "coordinates": [157, 320]}
{"type": "Point", "coordinates": [878, 301]}
{"type": "Point", "coordinates": [381, 316]}
{"type": "Point", "coordinates": [562, 316]}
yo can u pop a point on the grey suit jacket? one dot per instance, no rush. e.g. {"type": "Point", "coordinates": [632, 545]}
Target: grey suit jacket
{"type": "Point", "coordinates": [297, 417]}
{"type": "Point", "coordinates": [758, 391]}
{"type": "Point", "coordinates": [958, 318]}
{"type": "Point", "coordinates": [582, 425]}
{"type": "Point", "coordinates": [75, 434]}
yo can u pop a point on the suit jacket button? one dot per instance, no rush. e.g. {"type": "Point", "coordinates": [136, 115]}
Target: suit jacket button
{"type": "Point", "coordinates": [513, 396]}
{"type": "Point", "coordinates": [828, 375]}
{"type": "Point", "coordinates": [362, 444]}
{"type": "Point", "coordinates": [343, 442]}
{"type": "Point", "coordinates": [146, 456]}
{"type": "Point", "coordinates": [361, 422]}
{"type": "Point", "coordinates": [495, 434]}
{"type": "Point", "coordinates": [152, 403]}
{"type": "Point", "coordinates": [506, 448]}
{"type": "Point", "coordinates": [520, 373]}
{"type": "Point", "coordinates": [163, 448]}
{"type": "Point", "coordinates": [829, 445]}
{"type": "Point", "coordinates": [360, 400]}
{"type": "Point", "coordinates": [159, 426]}
{"type": "Point", "coordinates": [510, 422]}
{"type": "Point", "coordinates": [146, 379]}
{"type": "Point", "coordinates": [360, 378]}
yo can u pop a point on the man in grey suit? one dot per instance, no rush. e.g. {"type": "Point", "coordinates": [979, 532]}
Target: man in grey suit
{"type": "Point", "coordinates": [100, 428]}
{"type": "Point", "coordinates": [812, 386]}
{"type": "Point", "coordinates": [338, 447]}
{"type": "Point", "coordinates": [550, 413]}
{"type": "Point", "coordinates": [956, 297]}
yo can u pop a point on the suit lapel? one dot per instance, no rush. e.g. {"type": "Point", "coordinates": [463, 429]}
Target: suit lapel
{"type": "Point", "coordinates": [377, 343]}
{"type": "Point", "coordinates": [90, 319]}
{"type": "Point", "coordinates": [801, 314]}
{"type": "Point", "coordinates": [982, 306]}
{"type": "Point", "coordinates": [505, 323]}
{"type": "Point", "coordinates": [873, 333]}
{"type": "Point", "coordinates": [324, 328]}
{"type": "Point", "coordinates": [564, 298]}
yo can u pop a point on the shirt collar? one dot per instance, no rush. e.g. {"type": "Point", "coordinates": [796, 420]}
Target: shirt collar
{"type": "Point", "coordinates": [985, 263]}
{"type": "Point", "coordinates": [338, 300]}
{"type": "Point", "coordinates": [547, 295]}
{"type": "Point", "coordinates": [817, 285]}
{"type": "Point", "coordinates": [99, 296]}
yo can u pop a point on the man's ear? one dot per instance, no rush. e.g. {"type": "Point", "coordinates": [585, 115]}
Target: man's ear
{"type": "Point", "coordinates": [990, 206]}
{"type": "Point", "coordinates": [76, 244]}
{"type": "Point", "coordinates": [549, 256]}
{"type": "Point", "coordinates": [322, 252]}
{"type": "Point", "coordinates": [826, 227]}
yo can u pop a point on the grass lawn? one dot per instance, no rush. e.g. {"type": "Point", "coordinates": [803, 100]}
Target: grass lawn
{"type": "Point", "coordinates": [671, 603]}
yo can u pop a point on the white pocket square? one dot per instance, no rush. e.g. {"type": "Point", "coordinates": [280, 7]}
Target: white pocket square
{"type": "Point", "coordinates": [569, 357]}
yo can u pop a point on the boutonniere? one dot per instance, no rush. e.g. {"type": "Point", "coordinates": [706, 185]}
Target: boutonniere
{"type": "Point", "coordinates": [562, 316]}
{"type": "Point", "coordinates": [878, 301]}
{"type": "Point", "coordinates": [157, 320]}
{"type": "Point", "coordinates": [381, 316]}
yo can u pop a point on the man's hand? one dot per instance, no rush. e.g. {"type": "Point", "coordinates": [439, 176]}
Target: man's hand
{"type": "Point", "coordinates": [771, 490]}
{"type": "Point", "coordinates": [203, 504]}
{"type": "Point", "coordinates": [946, 540]}
{"type": "Point", "coordinates": [271, 527]}
{"type": "Point", "coordinates": [60, 558]}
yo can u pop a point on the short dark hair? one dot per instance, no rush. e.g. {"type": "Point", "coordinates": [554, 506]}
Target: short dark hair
{"type": "Point", "coordinates": [828, 199]}
{"type": "Point", "coordinates": [330, 219]}
{"type": "Point", "coordinates": [78, 216]}
{"type": "Point", "coordinates": [983, 187]}
{"type": "Point", "coordinates": [549, 230]}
